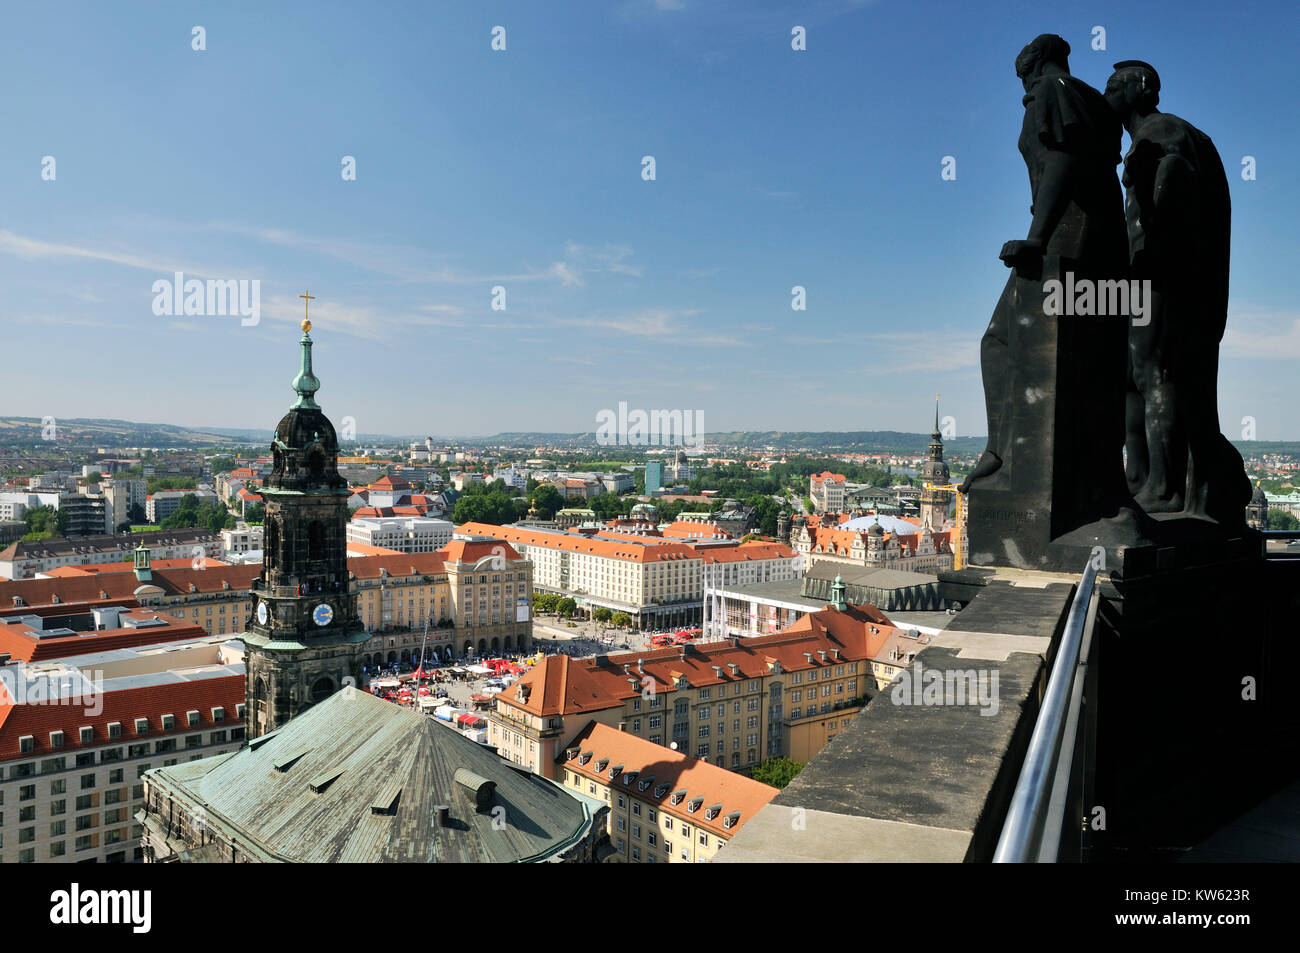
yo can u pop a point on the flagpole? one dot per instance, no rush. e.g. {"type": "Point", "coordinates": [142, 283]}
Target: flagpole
{"type": "Point", "coordinates": [420, 665]}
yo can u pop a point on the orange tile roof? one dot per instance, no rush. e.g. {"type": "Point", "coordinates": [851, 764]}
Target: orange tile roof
{"type": "Point", "coordinates": [22, 644]}
{"type": "Point", "coordinates": [365, 549]}
{"type": "Point", "coordinates": [397, 564]}
{"type": "Point", "coordinates": [560, 685]}
{"type": "Point", "coordinates": [123, 707]}
{"type": "Point", "coordinates": [465, 551]}
{"type": "Point", "coordinates": [672, 772]}
{"type": "Point", "coordinates": [640, 549]}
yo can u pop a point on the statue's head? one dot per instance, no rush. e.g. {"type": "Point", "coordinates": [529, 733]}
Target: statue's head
{"type": "Point", "coordinates": [1133, 87]}
{"type": "Point", "coordinates": [1044, 51]}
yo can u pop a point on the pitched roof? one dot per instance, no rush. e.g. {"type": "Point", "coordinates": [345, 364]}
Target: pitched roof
{"type": "Point", "coordinates": [359, 779]}
{"type": "Point", "coordinates": [672, 771]}
{"type": "Point", "coordinates": [122, 706]}
{"type": "Point", "coordinates": [561, 685]}
{"type": "Point", "coordinates": [639, 549]}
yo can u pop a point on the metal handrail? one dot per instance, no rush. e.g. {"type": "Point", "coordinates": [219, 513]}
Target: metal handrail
{"type": "Point", "coordinates": [1023, 833]}
{"type": "Point", "coordinates": [1279, 535]}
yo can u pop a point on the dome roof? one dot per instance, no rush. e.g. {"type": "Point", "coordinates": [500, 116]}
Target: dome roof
{"type": "Point", "coordinates": [881, 525]}
{"type": "Point", "coordinates": [1258, 496]}
{"type": "Point", "coordinates": [302, 426]}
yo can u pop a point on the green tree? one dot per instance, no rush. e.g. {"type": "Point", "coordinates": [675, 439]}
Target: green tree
{"type": "Point", "coordinates": [602, 614]}
{"type": "Point", "coordinates": [608, 506]}
{"type": "Point", "coordinates": [622, 620]}
{"type": "Point", "coordinates": [566, 607]}
{"type": "Point", "coordinates": [94, 477]}
{"type": "Point", "coordinates": [493, 507]}
{"type": "Point", "coordinates": [256, 513]}
{"type": "Point", "coordinates": [1281, 519]}
{"type": "Point", "coordinates": [40, 519]}
{"type": "Point", "coordinates": [548, 501]}
{"type": "Point", "coordinates": [778, 772]}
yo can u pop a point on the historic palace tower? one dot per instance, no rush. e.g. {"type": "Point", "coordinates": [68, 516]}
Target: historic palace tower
{"type": "Point", "coordinates": [303, 640]}
{"type": "Point", "coordinates": [934, 473]}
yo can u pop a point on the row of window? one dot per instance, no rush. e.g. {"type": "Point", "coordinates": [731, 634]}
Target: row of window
{"type": "Point", "coordinates": [86, 733]}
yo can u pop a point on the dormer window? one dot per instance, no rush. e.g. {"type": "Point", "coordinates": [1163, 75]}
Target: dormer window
{"type": "Point", "coordinates": [570, 754]}
{"type": "Point", "coordinates": [693, 804]}
{"type": "Point", "coordinates": [601, 765]}
{"type": "Point", "coordinates": [168, 722]}
{"type": "Point", "coordinates": [661, 790]}
{"type": "Point", "coordinates": [86, 733]}
{"type": "Point", "coordinates": [678, 796]}
{"type": "Point", "coordinates": [629, 777]}
{"type": "Point", "coordinates": [712, 811]}
{"type": "Point", "coordinates": [731, 820]}
{"type": "Point", "coordinates": [615, 771]}
{"type": "Point", "coordinates": [585, 757]}
{"type": "Point", "coordinates": [644, 783]}
{"type": "Point", "coordinates": [56, 739]}
{"type": "Point", "coordinates": [142, 726]}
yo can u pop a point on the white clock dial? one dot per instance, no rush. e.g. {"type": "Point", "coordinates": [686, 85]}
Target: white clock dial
{"type": "Point", "coordinates": [261, 613]}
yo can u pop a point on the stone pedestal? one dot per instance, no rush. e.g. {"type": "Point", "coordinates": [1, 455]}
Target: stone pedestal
{"type": "Point", "coordinates": [1057, 419]}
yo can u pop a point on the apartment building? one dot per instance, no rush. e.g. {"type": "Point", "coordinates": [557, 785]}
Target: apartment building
{"type": "Point", "coordinates": [158, 506]}
{"type": "Point", "coordinates": [491, 589]}
{"type": "Point", "coordinates": [87, 713]}
{"type": "Point", "coordinates": [654, 581]}
{"type": "Point", "coordinates": [405, 535]}
{"type": "Point", "coordinates": [241, 539]}
{"type": "Point", "coordinates": [24, 560]}
{"type": "Point", "coordinates": [664, 806]}
{"type": "Point", "coordinates": [733, 703]}
{"type": "Point", "coordinates": [658, 581]}
{"type": "Point", "coordinates": [827, 491]}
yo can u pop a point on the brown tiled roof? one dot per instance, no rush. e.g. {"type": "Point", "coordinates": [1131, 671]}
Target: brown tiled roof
{"type": "Point", "coordinates": [123, 706]}
{"type": "Point", "coordinates": [672, 771]}
{"type": "Point", "coordinates": [560, 685]}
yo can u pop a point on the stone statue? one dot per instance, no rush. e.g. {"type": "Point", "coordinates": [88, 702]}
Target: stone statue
{"type": "Point", "coordinates": [1178, 211]}
{"type": "Point", "coordinates": [1054, 385]}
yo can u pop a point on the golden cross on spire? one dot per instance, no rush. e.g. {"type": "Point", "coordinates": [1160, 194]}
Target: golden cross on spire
{"type": "Point", "coordinates": [307, 300]}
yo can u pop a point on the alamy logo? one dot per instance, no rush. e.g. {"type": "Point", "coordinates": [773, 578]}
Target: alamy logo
{"type": "Point", "coordinates": [947, 687]}
{"type": "Point", "coordinates": [213, 298]}
{"type": "Point", "coordinates": [75, 906]}
{"type": "Point", "coordinates": [65, 689]}
{"type": "Point", "coordinates": [653, 428]}
{"type": "Point", "coordinates": [1088, 298]}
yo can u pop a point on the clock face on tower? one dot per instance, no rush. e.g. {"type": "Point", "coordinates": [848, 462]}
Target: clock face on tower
{"type": "Point", "coordinates": [261, 613]}
{"type": "Point", "coordinates": [322, 614]}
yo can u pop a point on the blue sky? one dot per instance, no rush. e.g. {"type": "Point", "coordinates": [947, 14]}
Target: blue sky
{"type": "Point", "coordinates": [522, 168]}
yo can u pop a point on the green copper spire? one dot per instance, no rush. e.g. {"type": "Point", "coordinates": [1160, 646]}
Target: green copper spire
{"type": "Point", "coordinates": [306, 383]}
{"type": "Point", "coordinates": [837, 595]}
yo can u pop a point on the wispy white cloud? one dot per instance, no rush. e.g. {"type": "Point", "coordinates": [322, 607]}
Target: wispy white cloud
{"type": "Point", "coordinates": [34, 249]}
{"type": "Point", "coordinates": [1260, 333]}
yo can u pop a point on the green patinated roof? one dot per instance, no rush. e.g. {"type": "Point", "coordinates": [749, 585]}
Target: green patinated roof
{"type": "Point", "coordinates": [376, 749]}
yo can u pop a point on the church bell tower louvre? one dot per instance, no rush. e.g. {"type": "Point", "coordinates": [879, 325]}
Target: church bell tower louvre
{"type": "Point", "coordinates": [304, 637]}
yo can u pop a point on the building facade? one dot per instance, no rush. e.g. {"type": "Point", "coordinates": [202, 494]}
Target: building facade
{"type": "Point", "coordinates": [664, 806]}
{"type": "Point", "coordinates": [93, 712]}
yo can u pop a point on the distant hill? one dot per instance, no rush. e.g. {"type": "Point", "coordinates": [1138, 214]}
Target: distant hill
{"type": "Point", "coordinates": [107, 432]}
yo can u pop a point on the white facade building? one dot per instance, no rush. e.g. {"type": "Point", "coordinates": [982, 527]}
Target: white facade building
{"type": "Point", "coordinates": [414, 534]}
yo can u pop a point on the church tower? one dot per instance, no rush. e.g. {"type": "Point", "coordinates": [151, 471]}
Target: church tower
{"type": "Point", "coordinates": [1257, 511]}
{"type": "Point", "coordinates": [303, 641]}
{"type": "Point", "coordinates": [934, 473]}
